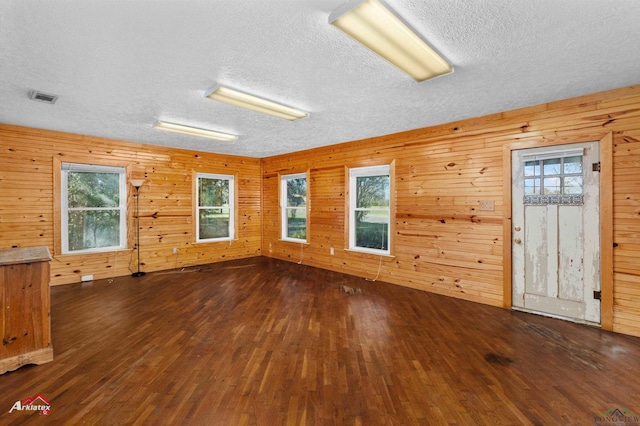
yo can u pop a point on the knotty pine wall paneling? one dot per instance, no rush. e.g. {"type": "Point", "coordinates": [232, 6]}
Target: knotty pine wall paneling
{"type": "Point", "coordinates": [443, 241]}
{"type": "Point", "coordinates": [626, 231]}
{"type": "Point", "coordinates": [29, 202]}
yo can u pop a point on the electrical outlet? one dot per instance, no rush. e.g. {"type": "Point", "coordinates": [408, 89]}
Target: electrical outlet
{"type": "Point", "coordinates": [86, 278]}
{"type": "Point", "coordinates": [331, 251]}
{"type": "Point", "coordinates": [175, 250]}
{"type": "Point", "coordinates": [487, 205]}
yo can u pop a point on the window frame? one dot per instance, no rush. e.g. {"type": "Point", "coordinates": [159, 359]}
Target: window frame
{"type": "Point", "coordinates": [368, 171]}
{"type": "Point", "coordinates": [65, 168]}
{"type": "Point", "coordinates": [539, 174]}
{"type": "Point", "coordinates": [231, 206]}
{"type": "Point", "coordinates": [284, 208]}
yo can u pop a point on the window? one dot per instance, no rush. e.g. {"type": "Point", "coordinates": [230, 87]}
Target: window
{"type": "Point", "coordinates": [369, 211]}
{"type": "Point", "coordinates": [94, 211]}
{"type": "Point", "coordinates": [293, 203]}
{"type": "Point", "coordinates": [553, 176]}
{"type": "Point", "coordinates": [215, 207]}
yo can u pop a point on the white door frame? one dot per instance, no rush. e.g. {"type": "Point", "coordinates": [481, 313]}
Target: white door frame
{"type": "Point", "coordinates": [606, 213]}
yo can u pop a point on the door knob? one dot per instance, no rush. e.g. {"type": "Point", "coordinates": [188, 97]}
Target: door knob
{"type": "Point", "coordinates": [517, 241]}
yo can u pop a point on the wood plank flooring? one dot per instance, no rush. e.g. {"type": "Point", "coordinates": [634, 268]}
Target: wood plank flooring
{"type": "Point", "coordinates": [265, 342]}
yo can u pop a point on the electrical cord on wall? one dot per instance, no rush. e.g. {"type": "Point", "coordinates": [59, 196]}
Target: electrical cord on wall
{"type": "Point", "coordinates": [115, 268]}
{"type": "Point", "coordinates": [378, 274]}
{"type": "Point", "coordinates": [301, 254]}
{"type": "Point", "coordinates": [115, 262]}
{"type": "Point", "coordinates": [380, 262]}
{"type": "Point", "coordinates": [131, 260]}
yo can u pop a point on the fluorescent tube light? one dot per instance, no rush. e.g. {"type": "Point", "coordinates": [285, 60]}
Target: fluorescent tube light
{"type": "Point", "coordinates": [373, 25]}
{"type": "Point", "coordinates": [254, 103]}
{"type": "Point", "coordinates": [195, 131]}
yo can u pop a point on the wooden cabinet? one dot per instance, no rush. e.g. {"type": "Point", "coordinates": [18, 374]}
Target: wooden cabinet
{"type": "Point", "coordinates": [24, 307]}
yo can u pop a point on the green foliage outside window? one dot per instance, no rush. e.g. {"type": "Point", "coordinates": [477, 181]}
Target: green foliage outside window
{"type": "Point", "coordinates": [214, 212]}
{"type": "Point", "coordinates": [93, 206]}
{"type": "Point", "coordinates": [372, 212]}
{"type": "Point", "coordinates": [296, 208]}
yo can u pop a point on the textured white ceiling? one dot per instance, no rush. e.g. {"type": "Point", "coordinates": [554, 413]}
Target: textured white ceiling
{"type": "Point", "coordinates": [120, 65]}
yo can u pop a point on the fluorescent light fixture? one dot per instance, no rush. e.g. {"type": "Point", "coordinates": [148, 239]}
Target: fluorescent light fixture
{"type": "Point", "coordinates": [373, 25]}
{"type": "Point", "coordinates": [195, 131]}
{"type": "Point", "coordinates": [254, 103]}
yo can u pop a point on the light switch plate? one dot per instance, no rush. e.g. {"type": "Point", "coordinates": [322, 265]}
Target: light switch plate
{"type": "Point", "coordinates": [487, 205]}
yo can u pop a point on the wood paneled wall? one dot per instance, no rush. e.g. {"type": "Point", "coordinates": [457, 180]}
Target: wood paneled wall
{"type": "Point", "coordinates": [442, 241]}
{"type": "Point", "coordinates": [626, 230]}
{"type": "Point", "coordinates": [29, 203]}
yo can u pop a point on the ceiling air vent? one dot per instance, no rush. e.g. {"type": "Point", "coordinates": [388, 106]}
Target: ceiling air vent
{"type": "Point", "coordinates": [42, 97]}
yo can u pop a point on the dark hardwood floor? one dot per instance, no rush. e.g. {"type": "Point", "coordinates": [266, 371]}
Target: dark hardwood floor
{"type": "Point", "coordinates": [261, 341]}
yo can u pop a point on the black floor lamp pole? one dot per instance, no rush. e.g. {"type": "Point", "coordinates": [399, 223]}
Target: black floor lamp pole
{"type": "Point", "coordinates": [137, 185]}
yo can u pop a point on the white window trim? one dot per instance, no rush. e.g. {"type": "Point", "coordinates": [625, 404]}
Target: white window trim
{"type": "Point", "coordinates": [232, 213]}
{"type": "Point", "coordinates": [355, 173]}
{"type": "Point", "coordinates": [64, 201]}
{"type": "Point", "coordinates": [283, 208]}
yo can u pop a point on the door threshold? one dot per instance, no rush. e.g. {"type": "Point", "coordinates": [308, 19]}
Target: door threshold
{"type": "Point", "coordinates": [560, 317]}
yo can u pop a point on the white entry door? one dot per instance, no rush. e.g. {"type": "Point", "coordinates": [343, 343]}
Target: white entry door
{"type": "Point", "coordinates": [556, 231]}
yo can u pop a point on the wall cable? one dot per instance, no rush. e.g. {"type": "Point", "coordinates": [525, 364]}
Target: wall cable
{"type": "Point", "coordinates": [380, 262]}
{"type": "Point", "coordinates": [115, 268]}
{"type": "Point", "coordinates": [131, 260]}
{"type": "Point", "coordinates": [301, 254]}
{"type": "Point", "coordinates": [378, 274]}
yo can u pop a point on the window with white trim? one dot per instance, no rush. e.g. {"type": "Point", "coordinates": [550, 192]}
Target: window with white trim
{"type": "Point", "coordinates": [93, 208]}
{"type": "Point", "coordinates": [369, 209]}
{"type": "Point", "coordinates": [215, 207]}
{"type": "Point", "coordinates": [293, 206]}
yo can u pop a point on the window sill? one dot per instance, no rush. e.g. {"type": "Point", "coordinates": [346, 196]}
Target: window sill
{"type": "Point", "coordinates": [229, 240]}
{"type": "Point", "coordinates": [366, 253]}
{"type": "Point", "coordinates": [93, 252]}
{"type": "Point", "coordinates": [304, 243]}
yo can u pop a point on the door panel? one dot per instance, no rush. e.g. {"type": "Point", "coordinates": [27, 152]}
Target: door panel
{"type": "Point", "coordinates": [555, 245]}
{"type": "Point", "coordinates": [570, 265]}
{"type": "Point", "coordinates": [537, 264]}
